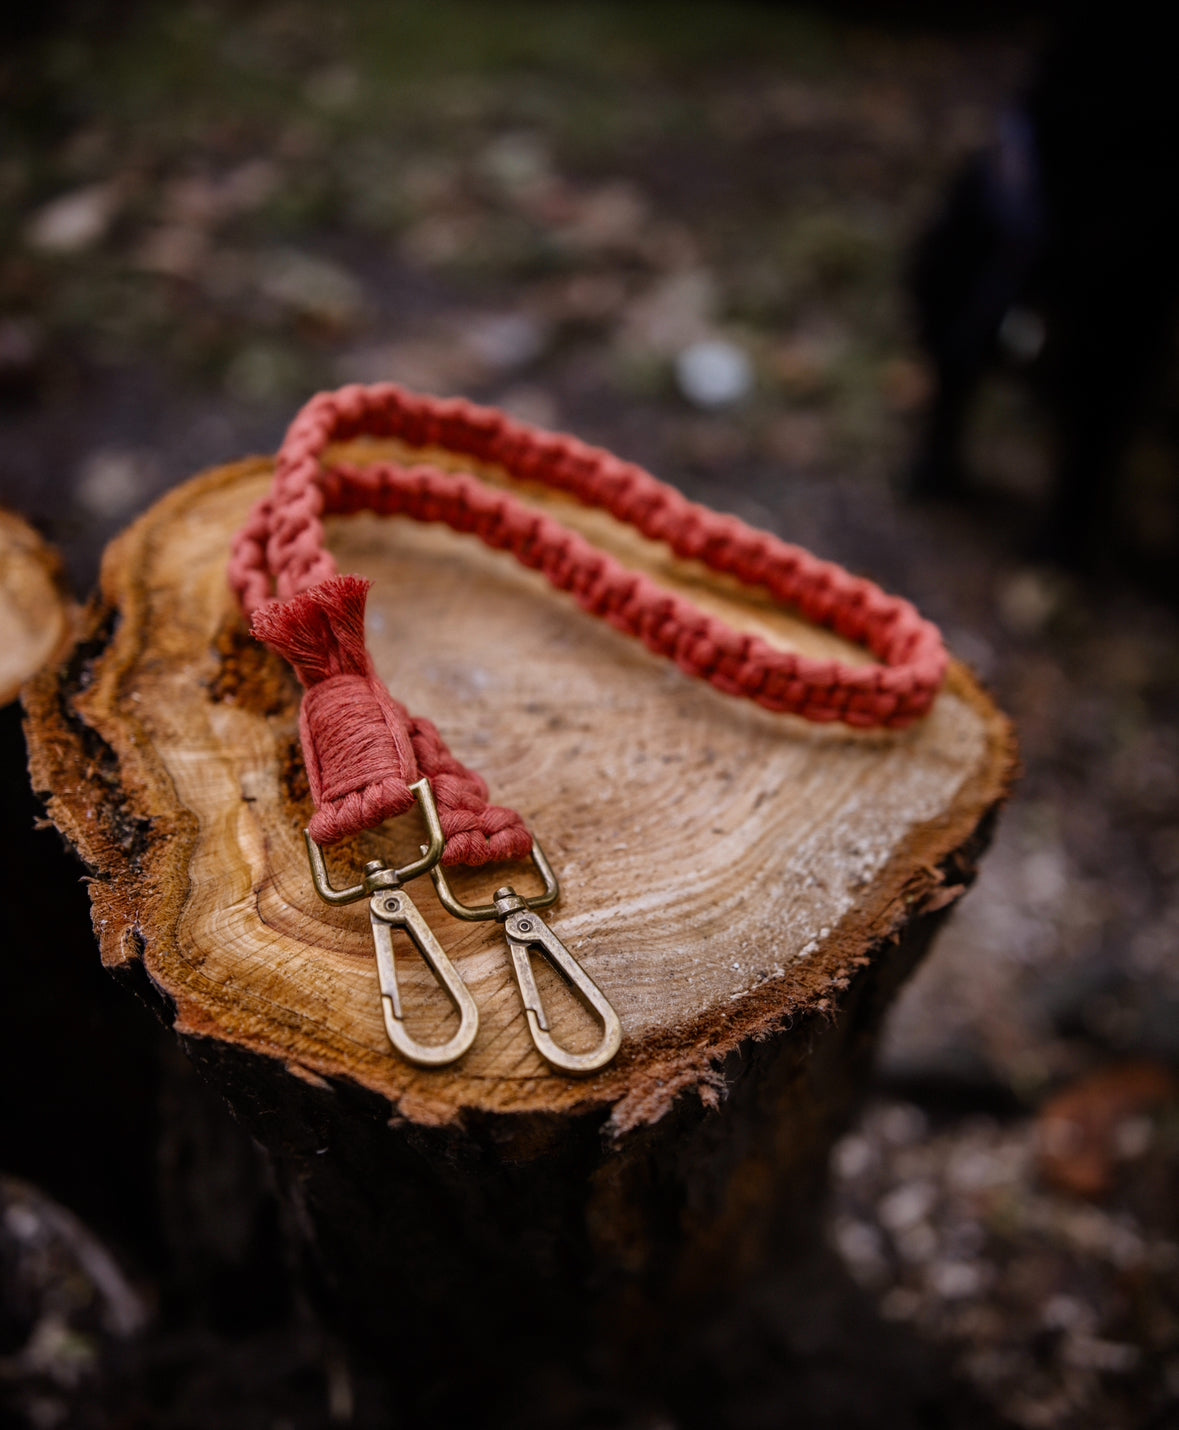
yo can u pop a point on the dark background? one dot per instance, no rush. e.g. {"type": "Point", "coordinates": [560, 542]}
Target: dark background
{"type": "Point", "coordinates": [208, 211]}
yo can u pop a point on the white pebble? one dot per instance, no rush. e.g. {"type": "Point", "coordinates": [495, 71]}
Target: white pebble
{"type": "Point", "coordinates": [953, 1280]}
{"type": "Point", "coordinates": [75, 221]}
{"type": "Point", "coordinates": [906, 1205]}
{"type": "Point", "coordinates": [714, 373]}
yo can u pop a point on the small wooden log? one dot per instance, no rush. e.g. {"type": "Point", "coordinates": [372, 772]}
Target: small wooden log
{"type": "Point", "coordinates": [34, 605]}
{"type": "Point", "coordinates": [746, 888]}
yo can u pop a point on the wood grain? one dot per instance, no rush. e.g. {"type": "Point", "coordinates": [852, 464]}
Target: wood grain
{"type": "Point", "coordinates": [34, 606]}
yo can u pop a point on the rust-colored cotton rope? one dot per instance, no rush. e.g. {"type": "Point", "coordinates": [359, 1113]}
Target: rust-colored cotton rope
{"type": "Point", "coordinates": [363, 749]}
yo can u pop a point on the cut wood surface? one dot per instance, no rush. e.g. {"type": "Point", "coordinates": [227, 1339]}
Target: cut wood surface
{"type": "Point", "coordinates": [34, 606]}
{"type": "Point", "coordinates": [723, 869]}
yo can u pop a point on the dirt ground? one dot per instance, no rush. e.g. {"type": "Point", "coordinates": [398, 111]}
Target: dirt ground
{"type": "Point", "coordinates": [678, 231]}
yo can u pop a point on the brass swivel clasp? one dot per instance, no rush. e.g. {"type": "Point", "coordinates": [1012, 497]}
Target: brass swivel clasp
{"type": "Point", "coordinates": [390, 907]}
{"type": "Point", "coordinates": [526, 931]}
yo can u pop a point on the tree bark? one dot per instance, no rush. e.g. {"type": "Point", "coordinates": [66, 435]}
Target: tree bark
{"type": "Point", "coordinates": [747, 889]}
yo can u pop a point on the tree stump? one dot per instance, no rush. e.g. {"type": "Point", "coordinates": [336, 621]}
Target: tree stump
{"type": "Point", "coordinates": [34, 605]}
{"type": "Point", "coordinates": [746, 888]}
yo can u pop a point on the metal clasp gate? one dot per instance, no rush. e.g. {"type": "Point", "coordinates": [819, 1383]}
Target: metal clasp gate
{"type": "Point", "coordinates": [526, 931]}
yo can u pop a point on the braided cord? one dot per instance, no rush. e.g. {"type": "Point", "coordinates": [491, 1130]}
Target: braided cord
{"type": "Point", "coordinates": [281, 550]}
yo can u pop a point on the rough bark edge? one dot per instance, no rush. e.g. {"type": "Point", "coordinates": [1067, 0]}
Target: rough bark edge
{"type": "Point", "coordinates": [102, 787]}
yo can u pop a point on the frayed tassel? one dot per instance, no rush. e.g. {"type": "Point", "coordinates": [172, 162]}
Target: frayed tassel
{"type": "Point", "coordinates": [361, 747]}
{"type": "Point", "coordinates": [320, 631]}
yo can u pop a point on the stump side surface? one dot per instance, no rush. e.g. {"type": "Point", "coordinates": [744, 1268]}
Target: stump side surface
{"type": "Point", "coordinates": [722, 868]}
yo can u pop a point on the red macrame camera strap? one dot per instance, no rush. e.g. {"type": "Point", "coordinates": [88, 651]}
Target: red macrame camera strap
{"type": "Point", "coordinates": [364, 749]}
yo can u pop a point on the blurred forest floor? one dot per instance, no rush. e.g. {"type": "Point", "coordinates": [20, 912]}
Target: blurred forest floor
{"type": "Point", "coordinates": [678, 231]}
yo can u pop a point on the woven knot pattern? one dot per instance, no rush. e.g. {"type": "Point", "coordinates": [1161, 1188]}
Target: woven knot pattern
{"type": "Point", "coordinates": [361, 747]}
